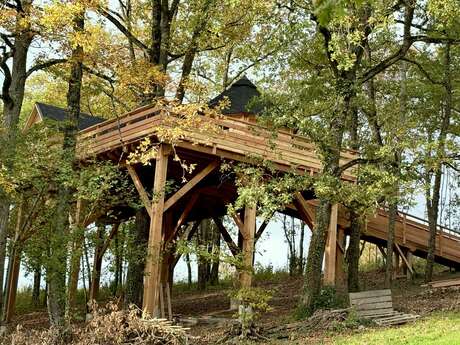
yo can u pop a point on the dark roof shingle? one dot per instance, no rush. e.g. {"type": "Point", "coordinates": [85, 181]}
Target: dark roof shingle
{"type": "Point", "coordinates": [240, 96]}
{"type": "Point", "coordinates": [54, 113]}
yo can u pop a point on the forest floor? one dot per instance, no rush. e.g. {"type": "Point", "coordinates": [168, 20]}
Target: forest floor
{"type": "Point", "coordinates": [439, 310]}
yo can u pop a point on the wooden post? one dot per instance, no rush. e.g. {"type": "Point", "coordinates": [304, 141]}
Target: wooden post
{"type": "Point", "coordinates": [396, 264]}
{"type": "Point", "coordinates": [331, 248]}
{"type": "Point", "coordinates": [339, 262]}
{"type": "Point", "coordinates": [404, 228]}
{"type": "Point", "coordinates": [167, 263]}
{"type": "Point", "coordinates": [248, 234]}
{"type": "Point", "coordinates": [409, 260]}
{"type": "Point", "coordinates": [152, 266]}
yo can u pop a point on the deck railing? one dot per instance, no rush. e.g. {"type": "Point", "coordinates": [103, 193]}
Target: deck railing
{"type": "Point", "coordinates": [235, 135]}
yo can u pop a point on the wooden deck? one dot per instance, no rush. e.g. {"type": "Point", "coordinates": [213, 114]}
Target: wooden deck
{"type": "Point", "coordinates": [231, 138]}
{"type": "Point", "coordinates": [238, 140]}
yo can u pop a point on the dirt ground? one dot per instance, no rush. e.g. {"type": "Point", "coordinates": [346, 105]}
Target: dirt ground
{"type": "Point", "coordinates": [214, 304]}
{"type": "Point", "coordinates": [408, 296]}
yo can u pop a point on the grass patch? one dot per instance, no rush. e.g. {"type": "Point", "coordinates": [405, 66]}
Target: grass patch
{"type": "Point", "coordinates": [439, 329]}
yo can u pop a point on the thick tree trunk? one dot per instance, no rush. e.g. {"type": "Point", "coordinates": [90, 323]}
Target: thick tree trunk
{"type": "Point", "coordinates": [13, 96]}
{"type": "Point", "coordinates": [136, 261]}
{"type": "Point", "coordinates": [312, 283]}
{"type": "Point", "coordinates": [56, 270]}
{"type": "Point", "coordinates": [433, 197]}
{"type": "Point", "coordinates": [353, 253]}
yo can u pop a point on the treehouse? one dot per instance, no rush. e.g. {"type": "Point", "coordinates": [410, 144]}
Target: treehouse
{"type": "Point", "coordinates": [207, 143]}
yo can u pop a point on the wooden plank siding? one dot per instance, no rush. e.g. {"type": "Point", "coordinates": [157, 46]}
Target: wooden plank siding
{"type": "Point", "coordinates": [234, 139]}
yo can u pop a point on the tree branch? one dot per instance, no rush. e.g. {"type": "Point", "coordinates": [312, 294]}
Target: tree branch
{"type": "Point", "coordinates": [340, 170]}
{"type": "Point", "coordinates": [128, 34]}
{"type": "Point", "coordinates": [44, 65]}
{"type": "Point", "coordinates": [6, 39]}
{"type": "Point", "coordinates": [408, 40]}
{"type": "Point", "coordinates": [5, 96]}
{"type": "Point", "coordinates": [422, 70]}
{"type": "Point", "coordinates": [98, 74]}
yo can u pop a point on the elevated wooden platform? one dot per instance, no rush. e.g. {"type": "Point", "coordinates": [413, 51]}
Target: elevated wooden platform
{"type": "Point", "coordinates": [228, 138]}
{"type": "Point", "coordinates": [209, 141]}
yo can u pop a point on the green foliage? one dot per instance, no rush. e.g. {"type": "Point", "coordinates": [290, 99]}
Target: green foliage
{"type": "Point", "coordinates": [329, 298]}
{"type": "Point", "coordinates": [253, 302]}
{"type": "Point", "coordinates": [268, 273]}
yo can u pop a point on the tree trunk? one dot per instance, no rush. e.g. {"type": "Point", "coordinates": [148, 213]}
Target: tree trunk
{"type": "Point", "coordinates": [353, 253]}
{"type": "Point", "coordinates": [118, 282]}
{"type": "Point", "coordinates": [203, 263]}
{"type": "Point", "coordinates": [4, 220]}
{"type": "Point", "coordinates": [97, 264]}
{"type": "Point", "coordinates": [392, 212]}
{"type": "Point", "coordinates": [301, 248]}
{"type": "Point", "coordinates": [433, 201]}
{"type": "Point", "coordinates": [136, 261]}
{"type": "Point", "coordinates": [56, 270]}
{"type": "Point", "coordinates": [78, 236]}
{"type": "Point", "coordinates": [312, 282]}
{"type": "Point", "coordinates": [189, 270]}
{"type": "Point", "coordinates": [13, 96]}
{"type": "Point", "coordinates": [214, 274]}
{"type": "Point", "coordinates": [36, 286]}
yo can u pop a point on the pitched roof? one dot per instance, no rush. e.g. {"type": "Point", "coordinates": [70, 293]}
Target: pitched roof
{"type": "Point", "coordinates": [240, 95]}
{"type": "Point", "coordinates": [54, 113]}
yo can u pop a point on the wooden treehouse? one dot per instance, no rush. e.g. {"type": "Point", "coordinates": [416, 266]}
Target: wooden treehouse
{"type": "Point", "coordinates": [208, 191]}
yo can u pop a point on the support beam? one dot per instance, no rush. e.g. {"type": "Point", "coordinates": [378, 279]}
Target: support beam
{"type": "Point", "coordinates": [226, 236]}
{"type": "Point", "coordinates": [331, 248]}
{"type": "Point", "coordinates": [304, 210]}
{"type": "Point", "coordinates": [238, 223]}
{"type": "Point", "coordinates": [190, 184]}
{"type": "Point", "coordinates": [140, 189]}
{"type": "Point", "coordinates": [187, 235]}
{"type": "Point", "coordinates": [248, 245]}
{"type": "Point", "coordinates": [408, 264]}
{"type": "Point", "coordinates": [382, 251]}
{"type": "Point", "coordinates": [152, 266]}
{"type": "Point", "coordinates": [262, 227]}
{"type": "Point", "coordinates": [183, 217]}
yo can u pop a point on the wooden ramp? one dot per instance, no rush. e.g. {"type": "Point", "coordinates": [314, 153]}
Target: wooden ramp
{"type": "Point", "coordinates": [448, 283]}
{"type": "Point", "coordinates": [377, 305]}
{"type": "Point", "coordinates": [412, 234]}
